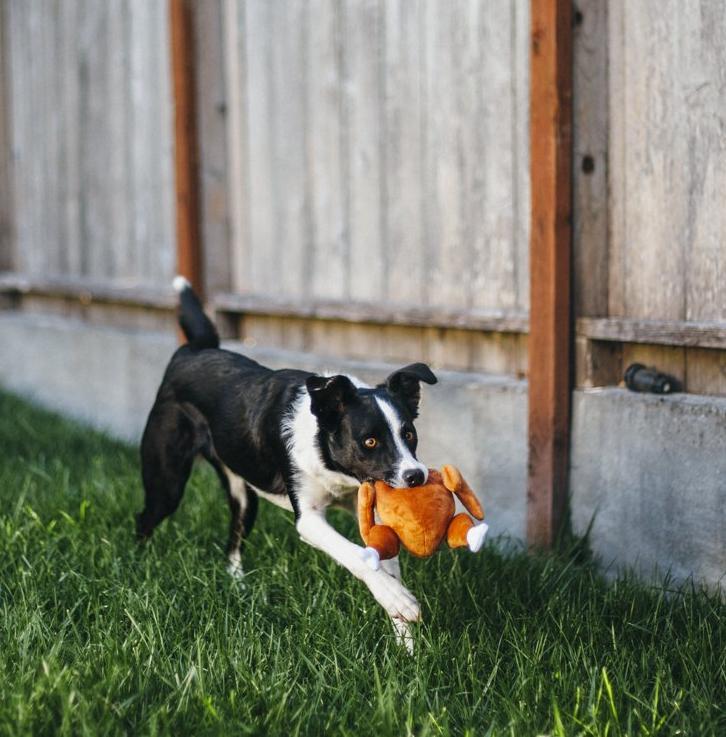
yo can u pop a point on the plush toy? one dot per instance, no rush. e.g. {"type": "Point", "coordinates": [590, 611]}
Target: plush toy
{"type": "Point", "coordinates": [418, 517]}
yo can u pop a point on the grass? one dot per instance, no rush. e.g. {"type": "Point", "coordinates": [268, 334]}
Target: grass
{"type": "Point", "coordinates": [98, 637]}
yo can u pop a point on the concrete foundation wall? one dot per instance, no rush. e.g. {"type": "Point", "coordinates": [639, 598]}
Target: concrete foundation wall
{"type": "Point", "coordinates": [649, 472]}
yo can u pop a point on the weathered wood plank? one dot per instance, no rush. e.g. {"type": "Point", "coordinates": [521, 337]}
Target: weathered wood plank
{"type": "Point", "coordinates": [7, 218]}
{"type": "Point", "coordinates": [118, 130]}
{"type": "Point", "coordinates": [487, 90]}
{"type": "Point", "coordinates": [262, 246]}
{"type": "Point", "coordinates": [288, 142]}
{"type": "Point", "coordinates": [656, 150]}
{"type": "Point", "coordinates": [327, 149]}
{"type": "Point", "coordinates": [367, 201]}
{"type": "Point", "coordinates": [152, 147]}
{"type": "Point", "coordinates": [449, 255]}
{"type": "Point", "coordinates": [550, 333]}
{"type": "Point", "coordinates": [94, 133]}
{"type": "Point", "coordinates": [402, 260]}
{"type": "Point", "coordinates": [706, 371]}
{"type": "Point", "coordinates": [521, 168]}
{"type": "Point", "coordinates": [590, 169]}
{"type": "Point", "coordinates": [363, 104]}
{"type": "Point", "coordinates": [88, 83]}
{"type": "Point", "coordinates": [46, 44]}
{"type": "Point", "coordinates": [501, 353]}
{"type": "Point", "coordinates": [597, 362]}
{"type": "Point", "coordinates": [668, 161]}
{"type": "Point", "coordinates": [617, 220]}
{"type": "Point", "coordinates": [212, 108]}
{"type": "Point", "coordinates": [21, 127]}
{"type": "Point", "coordinates": [88, 290]}
{"type": "Point", "coordinates": [235, 73]}
{"type": "Point", "coordinates": [373, 312]}
{"type": "Point", "coordinates": [397, 111]}
{"type": "Point", "coordinates": [392, 343]}
{"type": "Point", "coordinates": [661, 332]}
{"type": "Point", "coordinates": [69, 159]}
{"type": "Point", "coordinates": [702, 98]}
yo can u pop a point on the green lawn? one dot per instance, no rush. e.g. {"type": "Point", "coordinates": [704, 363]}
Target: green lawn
{"type": "Point", "coordinates": [98, 637]}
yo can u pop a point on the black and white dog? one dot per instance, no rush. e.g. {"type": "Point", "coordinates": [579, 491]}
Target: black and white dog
{"type": "Point", "coordinates": [300, 440]}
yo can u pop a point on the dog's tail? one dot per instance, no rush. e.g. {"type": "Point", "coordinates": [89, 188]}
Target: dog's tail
{"type": "Point", "coordinates": [197, 327]}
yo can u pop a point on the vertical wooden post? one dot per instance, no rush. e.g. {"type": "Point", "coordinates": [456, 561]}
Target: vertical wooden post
{"type": "Point", "coordinates": [550, 252]}
{"type": "Point", "coordinates": [186, 164]}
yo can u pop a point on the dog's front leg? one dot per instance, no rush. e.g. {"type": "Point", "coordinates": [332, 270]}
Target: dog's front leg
{"type": "Point", "coordinates": [392, 566]}
{"type": "Point", "coordinates": [387, 590]}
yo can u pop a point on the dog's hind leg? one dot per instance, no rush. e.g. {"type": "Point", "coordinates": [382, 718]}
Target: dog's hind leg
{"type": "Point", "coordinates": [168, 447]}
{"type": "Point", "coordinates": [242, 514]}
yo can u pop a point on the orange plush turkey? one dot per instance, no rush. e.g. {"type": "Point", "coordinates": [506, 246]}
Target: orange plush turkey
{"type": "Point", "coordinates": [419, 517]}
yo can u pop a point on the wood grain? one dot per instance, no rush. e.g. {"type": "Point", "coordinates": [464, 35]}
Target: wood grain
{"type": "Point", "coordinates": [402, 260]}
{"type": "Point", "coordinates": [327, 145]}
{"type": "Point", "coordinates": [373, 145]}
{"type": "Point", "coordinates": [373, 312]}
{"type": "Point", "coordinates": [667, 162]}
{"type": "Point", "coordinates": [7, 218]}
{"type": "Point", "coordinates": [186, 143]}
{"type": "Point", "coordinates": [497, 353]}
{"type": "Point", "coordinates": [590, 159]}
{"type": "Point", "coordinates": [549, 336]}
{"type": "Point", "coordinates": [88, 290]}
{"type": "Point", "coordinates": [212, 107]}
{"type": "Point", "coordinates": [238, 170]}
{"type": "Point", "coordinates": [705, 371]}
{"type": "Point", "coordinates": [90, 116]}
{"type": "Point", "coordinates": [659, 332]}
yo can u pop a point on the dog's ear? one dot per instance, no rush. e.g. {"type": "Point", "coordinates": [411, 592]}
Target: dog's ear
{"type": "Point", "coordinates": [329, 396]}
{"type": "Point", "coordinates": [405, 384]}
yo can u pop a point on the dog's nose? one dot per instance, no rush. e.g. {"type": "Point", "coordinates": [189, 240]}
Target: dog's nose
{"type": "Point", "coordinates": [413, 477]}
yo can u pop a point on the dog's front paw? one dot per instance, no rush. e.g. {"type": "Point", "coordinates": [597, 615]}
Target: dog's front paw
{"type": "Point", "coordinates": [404, 637]}
{"type": "Point", "coordinates": [395, 598]}
{"type": "Point", "coordinates": [370, 557]}
{"type": "Point", "coordinates": [476, 535]}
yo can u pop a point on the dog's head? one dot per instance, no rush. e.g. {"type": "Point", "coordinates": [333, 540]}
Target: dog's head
{"type": "Point", "coordinates": [369, 433]}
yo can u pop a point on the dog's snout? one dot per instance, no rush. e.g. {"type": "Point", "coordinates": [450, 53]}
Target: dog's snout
{"type": "Point", "coordinates": [413, 477]}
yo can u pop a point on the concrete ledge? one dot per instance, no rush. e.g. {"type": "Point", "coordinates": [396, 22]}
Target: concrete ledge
{"type": "Point", "coordinates": [650, 472]}
{"type": "Point", "coordinates": [105, 377]}
{"type": "Point", "coordinates": [108, 377]}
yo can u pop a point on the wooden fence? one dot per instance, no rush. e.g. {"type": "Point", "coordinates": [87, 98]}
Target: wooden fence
{"type": "Point", "coordinates": [88, 111]}
{"type": "Point", "coordinates": [377, 173]}
{"type": "Point", "coordinates": [364, 171]}
{"type": "Point", "coordinates": [650, 91]}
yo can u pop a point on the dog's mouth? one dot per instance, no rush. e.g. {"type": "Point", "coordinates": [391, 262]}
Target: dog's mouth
{"type": "Point", "coordinates": [396, 483]}
{"type": "Point", "coordinates": [393, 481]}
{"type": "Point", "coordinates": [388, 480]}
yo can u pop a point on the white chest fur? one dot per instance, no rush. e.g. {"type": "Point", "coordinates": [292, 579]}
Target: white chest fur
{"type": "Point", "coordinates": [318, 486]}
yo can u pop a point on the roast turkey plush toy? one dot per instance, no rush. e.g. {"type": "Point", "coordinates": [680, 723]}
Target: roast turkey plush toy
{"type": "Point", "coordinates": [418, 517]}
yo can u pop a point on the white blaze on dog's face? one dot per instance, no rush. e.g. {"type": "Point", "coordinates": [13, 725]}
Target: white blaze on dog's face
{"type": "Point", "coordinates": [368, 433]}
{"type": "Point", "coordinates": [407, 470]}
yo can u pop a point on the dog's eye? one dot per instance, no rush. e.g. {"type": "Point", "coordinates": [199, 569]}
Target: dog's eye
{"type": "Point", "coordinates": [370, 442]}
{"type": "Point", "coordinates": [408, 435]}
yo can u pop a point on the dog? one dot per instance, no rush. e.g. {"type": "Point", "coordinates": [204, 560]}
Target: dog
{"type": "Point", "coordinates": [300, 440]}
